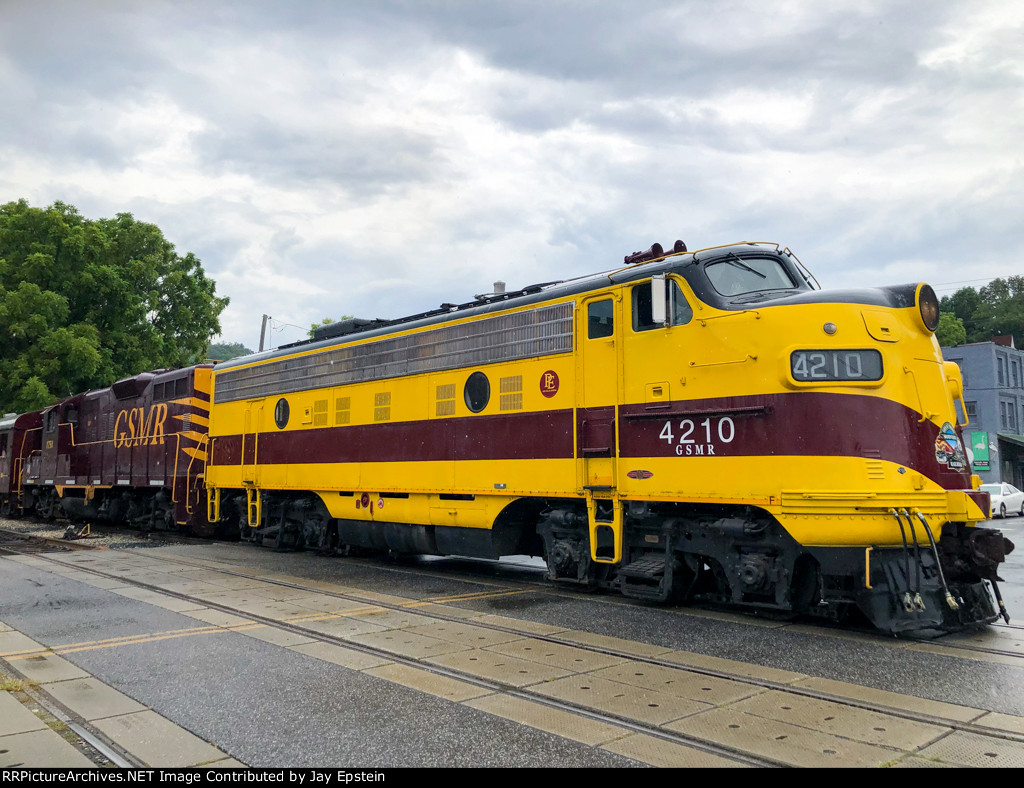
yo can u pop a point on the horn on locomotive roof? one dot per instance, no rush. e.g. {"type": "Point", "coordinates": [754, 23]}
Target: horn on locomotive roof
{"type": "Point", "coordinates": [656, 251]}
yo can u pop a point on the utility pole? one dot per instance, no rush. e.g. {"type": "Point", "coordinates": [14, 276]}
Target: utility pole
{"type": "Point", "coordinates": [263, 331]}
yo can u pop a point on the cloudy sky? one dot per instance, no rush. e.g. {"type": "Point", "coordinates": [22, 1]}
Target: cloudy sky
{"type": "Point", "coordinates": [378, 157]}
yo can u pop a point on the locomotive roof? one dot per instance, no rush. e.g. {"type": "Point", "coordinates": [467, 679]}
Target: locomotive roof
{"type": "Point", "coordinates": [20, 420]}
{"type": "Point", "coordinates": [627, 272]}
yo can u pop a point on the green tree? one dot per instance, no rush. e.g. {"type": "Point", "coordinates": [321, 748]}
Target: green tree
{"type": "Point", "coordinates": [1001, 310]}
{"type": "Point", "coordinates": [222, 351]}
{"type": "Point", "coordinates": [951, 331]}
{"type": "Point", "coordinates": [962, 304]}
{"type": "Point", "coordinates": [326, 322]}
{"type": "Point", "coordinates": [85, 302]}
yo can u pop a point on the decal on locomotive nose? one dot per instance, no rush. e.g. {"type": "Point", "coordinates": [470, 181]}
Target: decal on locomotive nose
{"type": "Point", "coordinates": [640, 474]}
{"type": "Point", "coordinates": [948, 449]}
{"type": "Point", "coordinates": [137, 427]}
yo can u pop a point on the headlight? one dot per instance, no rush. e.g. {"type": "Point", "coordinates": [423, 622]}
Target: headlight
{"type": "Point", "coordinates": [928, 305]}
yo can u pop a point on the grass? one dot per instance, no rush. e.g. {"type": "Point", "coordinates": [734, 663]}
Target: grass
{"type": "Point", "coordinates": [16, 685]}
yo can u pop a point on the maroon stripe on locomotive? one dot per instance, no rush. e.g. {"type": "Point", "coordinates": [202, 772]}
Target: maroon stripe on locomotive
{"type": "Point", "coordinates": [533, 436]}
{"type": "Point", "coordinates": [803, 424]}
{"type": "Point", "coordinates": [788, 424]}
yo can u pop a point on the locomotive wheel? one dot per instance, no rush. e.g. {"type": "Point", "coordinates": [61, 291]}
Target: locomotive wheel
{"type": "Point", "coordinates": [47, 505]}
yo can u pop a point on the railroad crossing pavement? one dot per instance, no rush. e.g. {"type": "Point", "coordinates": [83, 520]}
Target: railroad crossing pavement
{"type": "Point", "coordinates": [35, 733]}
{"type": "Point", "coordinates": [273, 696]}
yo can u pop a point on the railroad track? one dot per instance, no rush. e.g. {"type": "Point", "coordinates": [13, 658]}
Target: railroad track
{"type": "Point", "coordinates": [469, 569]}
{"type": "Point", "coordinates": [426, 609]}
{"type": "Point", "coordinates": [486, 573]}
{"type": "Point", "coordinates": [15, 543]}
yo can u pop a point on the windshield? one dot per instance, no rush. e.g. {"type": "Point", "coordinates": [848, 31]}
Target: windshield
{"type": "Point", "coordinates": [735, 276]}
{"type": "Point", "coordinates": [991, 488]}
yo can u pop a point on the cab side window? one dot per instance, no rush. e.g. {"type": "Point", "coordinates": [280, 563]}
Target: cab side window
{"type": "Point", "coordinates": [600, 319]}
{"type": "Point", "coordinates": [678, 308]}
{"type": "Point", "coordinates": [642, 320]}
{"type": "Point", "coordinates": [679, 311]}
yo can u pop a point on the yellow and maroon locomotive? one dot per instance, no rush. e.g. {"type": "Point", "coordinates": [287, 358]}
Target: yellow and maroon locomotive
{"type": "Point", "coordinates": [706, 425]}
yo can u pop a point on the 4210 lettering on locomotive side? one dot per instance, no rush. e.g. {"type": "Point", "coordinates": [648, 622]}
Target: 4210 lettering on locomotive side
{"type": "Point", "coordinates": [694, 438]}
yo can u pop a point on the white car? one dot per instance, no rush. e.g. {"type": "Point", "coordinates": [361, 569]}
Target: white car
{"type": "Point", "coordinates": [1005, 498]}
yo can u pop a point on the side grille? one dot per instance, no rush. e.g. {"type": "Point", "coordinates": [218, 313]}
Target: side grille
{"type": "Point", "coordinates": [528, 334]}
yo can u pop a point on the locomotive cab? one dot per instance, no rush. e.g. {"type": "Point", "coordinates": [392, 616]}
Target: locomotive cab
{"type": "Point", "coordinates": [793, 448]}
{"type": "Point", "coordinates": [56, 464]}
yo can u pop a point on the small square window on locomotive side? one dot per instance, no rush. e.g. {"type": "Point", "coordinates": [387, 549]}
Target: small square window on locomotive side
{"type": "Point", "coordinates": [600, 319]}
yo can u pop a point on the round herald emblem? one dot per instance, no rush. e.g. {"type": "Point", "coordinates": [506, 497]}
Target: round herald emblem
{"type": "Point", "coordinates": [549, 383]}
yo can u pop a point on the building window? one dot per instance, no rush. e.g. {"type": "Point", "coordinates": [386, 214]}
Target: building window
{"type": "Point", "coordinates": [1001, 371]}
{"type": "Point", "coordinates": [971, 408]}
{"type": "Point", "coordinates": [1015, 369]}
{"type": "Point", "coordinates": [1008, 416]}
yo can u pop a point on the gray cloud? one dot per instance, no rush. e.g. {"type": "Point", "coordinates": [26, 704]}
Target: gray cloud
{"type": "Point", "coordinates": [379, 158]}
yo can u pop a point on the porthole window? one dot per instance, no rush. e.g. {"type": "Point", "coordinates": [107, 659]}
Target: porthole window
{"type": "Point", "coordinates": [477, 392]}
{"type": "Point", "coordinates": [281, 413]}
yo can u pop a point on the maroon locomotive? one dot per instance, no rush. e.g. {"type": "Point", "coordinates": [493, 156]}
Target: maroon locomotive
{"type": "Point", "coordinates": [132, 453]}
{"type": "Point", "coordinates": [19, 440]}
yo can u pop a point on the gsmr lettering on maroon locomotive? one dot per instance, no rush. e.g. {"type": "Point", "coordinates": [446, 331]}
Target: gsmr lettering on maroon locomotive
{"type": "Point", "coordinates": [141, 426]}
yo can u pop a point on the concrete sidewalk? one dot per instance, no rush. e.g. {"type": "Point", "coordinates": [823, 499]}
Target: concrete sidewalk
{"type": "Point", "coordinates": [53, 714]}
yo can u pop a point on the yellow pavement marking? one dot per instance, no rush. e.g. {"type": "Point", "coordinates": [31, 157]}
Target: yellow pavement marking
{"type": "Point", "coordinates": [126, 640]}
{"type": "Point", "coordinates": [467, 597]}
